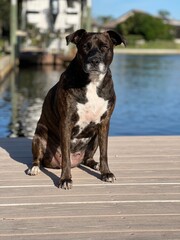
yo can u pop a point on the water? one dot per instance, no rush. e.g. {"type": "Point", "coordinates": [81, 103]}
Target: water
{"type": "Point", "coordinates": [21, 98]}
{"type": "Point", "coordinates": [147, 89]}
{"type": "Point", "coordinates": [148, 95]}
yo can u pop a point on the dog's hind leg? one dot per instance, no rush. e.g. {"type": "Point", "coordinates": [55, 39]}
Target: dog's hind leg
{"type": "Point", "coordinates": [89, 154]}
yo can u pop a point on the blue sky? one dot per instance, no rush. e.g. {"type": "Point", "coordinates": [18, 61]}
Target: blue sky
{"type": "Point", "coordinates": [116, 8]}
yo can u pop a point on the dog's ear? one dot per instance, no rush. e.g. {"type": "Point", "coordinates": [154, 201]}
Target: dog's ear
{"type": "Point", "coordinates": [75, 37]}
{"type": "Point", "coordinates": [116, 38]}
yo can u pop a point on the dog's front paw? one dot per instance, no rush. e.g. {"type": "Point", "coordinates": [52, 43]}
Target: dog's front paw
{"type": "Point", "coordinates": [108, 177]}
{"type": "Point", "coordinates": [65, 183]}
{"type": "Point", "coordinates": [35, 170]}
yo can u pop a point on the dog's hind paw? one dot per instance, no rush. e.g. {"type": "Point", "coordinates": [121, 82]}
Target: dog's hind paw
{"type": "Point", "coordinates": [33, 171]}
{"type": "Point", "coordinates": [108, 177]}
{"type": "Point", "coordinates": [65, 184]}
{"type": "Point", "coordinates": [97, 167]}
{"type": "Point", "coordinates": [92, 164]}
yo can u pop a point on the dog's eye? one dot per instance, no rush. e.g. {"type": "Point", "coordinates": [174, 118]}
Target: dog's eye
{"type": "Point", "coordinates": [104, 47]}
{"type": "Point", "coordinates": [86, 46]}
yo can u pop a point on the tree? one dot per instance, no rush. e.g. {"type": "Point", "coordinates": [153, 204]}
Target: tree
{"type": "Point", "coordinates": [164, 14]}
{"type": "Point", "coordinates": [104, 19]}
{"type": "Point", "coordinates": [149, 27]}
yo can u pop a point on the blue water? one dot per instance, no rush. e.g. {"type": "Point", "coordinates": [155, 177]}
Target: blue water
{"type": "Point", "coordinates": [148, 95]}
{"type": "Point", "coordinates": [147, 89]}
{"type": "Point", "coordinates": [5, 113]}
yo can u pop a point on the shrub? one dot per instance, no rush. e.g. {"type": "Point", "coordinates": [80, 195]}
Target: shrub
{"type": "Point", "coordinates": [149, 27]}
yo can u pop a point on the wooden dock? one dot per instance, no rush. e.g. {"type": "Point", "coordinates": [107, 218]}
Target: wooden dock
{"type": "Point", "coordinates": [143, 203]}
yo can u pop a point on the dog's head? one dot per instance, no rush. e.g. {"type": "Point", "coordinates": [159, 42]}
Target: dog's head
{"type": "Point", "coordinates": [95, 50]}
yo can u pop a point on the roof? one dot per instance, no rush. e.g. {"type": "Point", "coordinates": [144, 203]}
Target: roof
{"type": "Point", "coordinates": [124, 17]}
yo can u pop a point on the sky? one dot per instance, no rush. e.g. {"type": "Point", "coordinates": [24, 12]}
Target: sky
{"type": "Point", "coordinates": [116, 8]}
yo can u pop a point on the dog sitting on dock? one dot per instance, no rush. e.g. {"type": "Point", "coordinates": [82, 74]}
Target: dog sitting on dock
{"type": "Point", "coordinates": [76, 111]}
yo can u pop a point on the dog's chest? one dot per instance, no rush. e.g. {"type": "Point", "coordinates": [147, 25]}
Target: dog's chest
{"type": "Point", "coordinates": [93, 109]}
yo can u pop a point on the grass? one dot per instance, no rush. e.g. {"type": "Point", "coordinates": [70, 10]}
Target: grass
{"type": "Point", "coordinates": [158, 44]}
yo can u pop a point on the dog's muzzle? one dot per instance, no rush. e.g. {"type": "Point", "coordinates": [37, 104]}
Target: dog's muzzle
{"type": "Point", "coordinates": [95, 64]}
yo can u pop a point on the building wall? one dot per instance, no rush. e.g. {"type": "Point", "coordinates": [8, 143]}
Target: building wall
{"type": "Point", "coordinates": [69, 18]}
{"type": "Point", "coordinates": [40, 18]}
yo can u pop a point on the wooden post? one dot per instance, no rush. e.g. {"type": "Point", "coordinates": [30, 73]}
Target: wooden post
{"type": "Point", "coordinates": [13, 29]}
{"type": "Point", "coordinates": [86, 14]}
{"type": "Point", "coordinates": [88, 19]}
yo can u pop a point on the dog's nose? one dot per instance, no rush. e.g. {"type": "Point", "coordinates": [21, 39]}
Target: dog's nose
{"type": "Point", "coordinates": [94, 61]}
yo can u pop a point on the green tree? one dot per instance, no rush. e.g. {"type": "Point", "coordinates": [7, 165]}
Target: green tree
{"type": "Point", "coordinates": [104, 19]}
{"type": "Point", "coordinates": [149, 27]}
{"type": "Point", "coordinates": [164, 14]}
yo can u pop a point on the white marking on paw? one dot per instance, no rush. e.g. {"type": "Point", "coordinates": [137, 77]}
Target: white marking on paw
{"type": "Point", "coordinates": [33, 171]}
{"type": "Point", "coordinates": [97, 167]}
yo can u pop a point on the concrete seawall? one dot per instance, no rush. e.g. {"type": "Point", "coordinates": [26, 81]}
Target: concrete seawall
{"type": "Point", "coordinates": [5, 66]}
{"type": "Point", "coordinates": [138, 51]}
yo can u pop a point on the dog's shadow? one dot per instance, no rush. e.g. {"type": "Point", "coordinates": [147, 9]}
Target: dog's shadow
{"type": "Point", "coordinates": [90, 171]}
{"type": "Point", "coordinates": [19, 150]}
{"type": "Point", "coordinates": [51, 175]}
{"type": "Point", "coordinates": [55, 178]}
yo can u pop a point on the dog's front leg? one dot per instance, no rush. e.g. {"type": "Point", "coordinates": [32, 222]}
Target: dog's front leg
{"type": "Point", "coordinates": [106, 175]}
{"type": "Point", "coordinates": [65, 179]}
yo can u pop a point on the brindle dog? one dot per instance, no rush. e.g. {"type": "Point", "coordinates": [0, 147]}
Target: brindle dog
{"type": "Point", "coordinates": [76, 111]}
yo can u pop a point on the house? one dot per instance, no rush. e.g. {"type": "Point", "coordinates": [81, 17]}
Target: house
{"type": "Point", "coordinates": [52, 16]}
{"type": "Point", "coordinates": [112, 24]}
{"type": "Point", "coordinates": [176, 25]}
{"type": "Point", "coordinates": [124, 17]}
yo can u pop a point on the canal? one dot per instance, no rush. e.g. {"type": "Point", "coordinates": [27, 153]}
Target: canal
{"type": "Point", "coordinates": [147, 89]}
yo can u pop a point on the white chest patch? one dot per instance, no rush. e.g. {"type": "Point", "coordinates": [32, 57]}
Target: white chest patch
{"type": "Point", "coordinates": [93, 110]}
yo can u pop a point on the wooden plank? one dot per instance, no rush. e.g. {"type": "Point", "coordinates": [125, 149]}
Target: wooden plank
{"type": "Point", "coordinates": [117, 189]}
{"type": "Point", "coordinates": [113, 235]}
{"type": "Point", "coordinates": [124, 208]}
{"type": "Point", "coordinates": [104, 224]}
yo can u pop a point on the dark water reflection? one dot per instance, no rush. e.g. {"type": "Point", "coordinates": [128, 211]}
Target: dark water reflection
{"type": "Point", "coordinates": [147, 88]}
{"type": "Point", "coordinates": [22, 98]}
